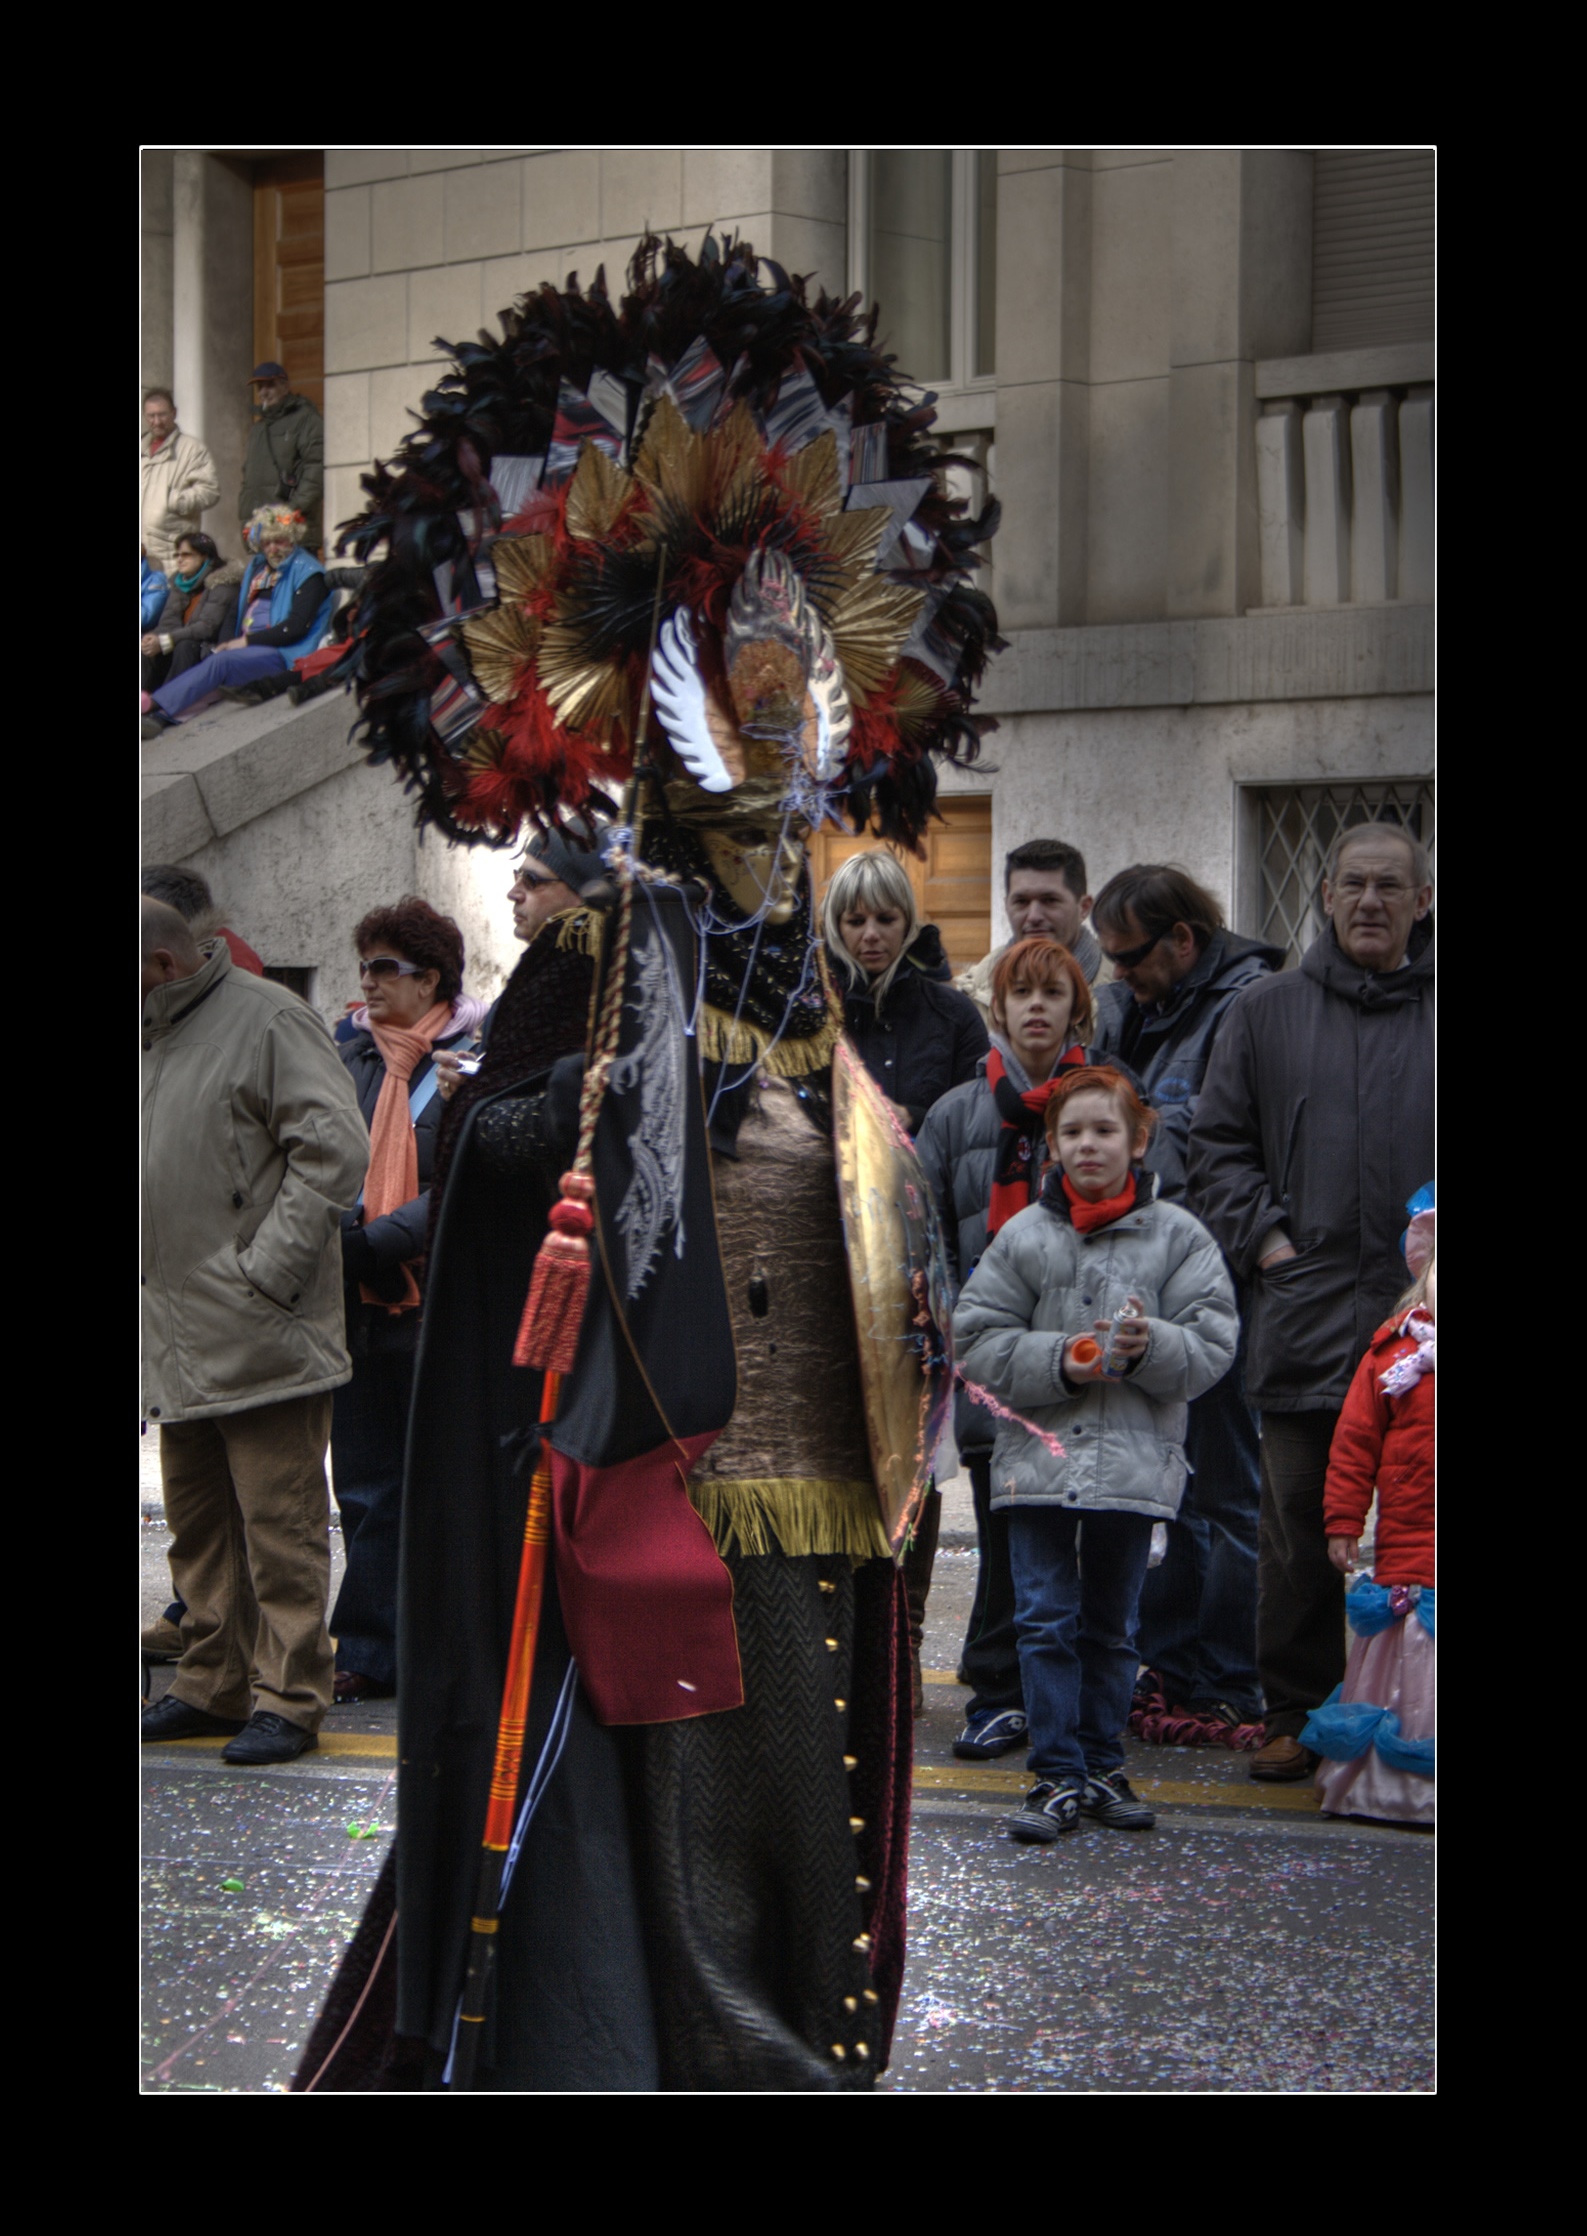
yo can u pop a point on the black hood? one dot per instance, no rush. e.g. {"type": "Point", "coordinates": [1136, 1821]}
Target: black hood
{"type": "Point", "coordinates": [1326, 961]}
{"type": "Point", "coordinates": [928, 955]}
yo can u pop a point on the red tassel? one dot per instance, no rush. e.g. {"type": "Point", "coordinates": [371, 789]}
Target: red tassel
{"type": "Point", "coordinates": [548, 1334]}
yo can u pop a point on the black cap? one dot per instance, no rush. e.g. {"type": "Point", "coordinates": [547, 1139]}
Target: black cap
{"type": "Point", "coordinates": [269, 370]}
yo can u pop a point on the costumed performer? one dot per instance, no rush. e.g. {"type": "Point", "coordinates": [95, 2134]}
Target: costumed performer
{"type": "Point", "coordinates": [724, 547]}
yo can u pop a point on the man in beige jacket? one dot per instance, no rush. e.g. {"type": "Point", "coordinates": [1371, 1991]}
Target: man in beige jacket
{"type": "Point", "coordinates": [252, 1148]}
{"type": "Point", "coordinates": [1044, 893]}
{"type": "Point", "coordinates": [179, 479]}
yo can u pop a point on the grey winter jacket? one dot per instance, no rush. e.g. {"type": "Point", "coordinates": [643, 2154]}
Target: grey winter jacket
{"type": "Point", "coordinates": [252, 1147]}
{"type": "Point", "coordinates": [1316, 1119]}
{"type": "Point", "coordinates": [958, 1151]}
{"type": "Point", "coordinates": [216, 617]}
{"type": "Point", "coordinates": [1040, 1283]}
{"type": "Point", "coordinates": [1169, 1046]}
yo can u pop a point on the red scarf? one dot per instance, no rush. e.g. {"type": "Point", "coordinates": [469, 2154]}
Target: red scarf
{"type": "Point", "coordinates": [1018, 1167]}
{"type": "Point", "coordinates": [1086, 1217]}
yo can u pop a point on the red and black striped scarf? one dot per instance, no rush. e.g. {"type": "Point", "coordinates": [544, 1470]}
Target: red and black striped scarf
{"type": "Point", "coordinates": [1018, 1164]}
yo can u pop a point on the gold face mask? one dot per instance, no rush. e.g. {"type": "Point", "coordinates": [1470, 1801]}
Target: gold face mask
{"type": "Point", "coordinates": [755, 849]}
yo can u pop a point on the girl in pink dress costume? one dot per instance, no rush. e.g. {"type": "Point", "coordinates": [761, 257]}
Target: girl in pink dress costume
{"type": "Point", "coordinates": [1376, 1734]}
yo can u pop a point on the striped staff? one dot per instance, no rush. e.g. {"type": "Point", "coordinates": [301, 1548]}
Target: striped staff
{"type": "Point", "coordinates": [547, 1338]}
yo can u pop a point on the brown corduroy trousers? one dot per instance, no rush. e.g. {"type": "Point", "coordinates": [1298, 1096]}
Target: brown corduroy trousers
{"type": "Point", "coordinates": [248, 1508]}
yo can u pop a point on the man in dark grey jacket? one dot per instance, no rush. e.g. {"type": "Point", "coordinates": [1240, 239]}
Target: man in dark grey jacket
{"type": "Point", "coordinates": [1179, 970]}
{"type": "Point", "coordinates": [1315, 1125]}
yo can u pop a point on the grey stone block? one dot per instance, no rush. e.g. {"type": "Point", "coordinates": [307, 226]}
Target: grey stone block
{"type": "Point", "coordinates": [1131, 223]}
{"type": "Point", "coordinates": [1349, 652]}
{"type": "Point", "coordinates": [357, 166]}
{"type": "Point", "coordinates": [811, 182]}
{"type": "Point", "coordinates": [347, 440]}
{"type": "Point", "coordinates": [407, 223]}
{"type": "Point", "coordinates": [484, 211]}
{"type": "Point", "coordinates": [175, 823]}
{"type": "Point", "coordinates": [366, 323]}
{"type": "Point", "coordinates": [561, 198]}
{"type": "Point", "coordinates": [640, 187]}
{"type": "Point", "coordinates": [347, 233]}
{"type": "Point", "coordinates": [442, 303]}
{"type": "Point", "coordinates": [1127, 497]}
{"type": "Point", "coordinates": [716, 180]}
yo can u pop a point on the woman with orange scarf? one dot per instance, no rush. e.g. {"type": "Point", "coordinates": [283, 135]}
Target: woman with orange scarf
{"type": "Point", "coordinates": [411, 978]}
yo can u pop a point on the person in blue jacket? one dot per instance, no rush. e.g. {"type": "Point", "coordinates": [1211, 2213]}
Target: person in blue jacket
{"type": "Point", "coordinates": [282, 610]}
{"type": "Point", "coordinates": [152, 590]}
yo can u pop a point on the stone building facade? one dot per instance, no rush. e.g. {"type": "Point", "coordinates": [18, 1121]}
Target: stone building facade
{"type": "Point", "coordinates": [1201, 383]}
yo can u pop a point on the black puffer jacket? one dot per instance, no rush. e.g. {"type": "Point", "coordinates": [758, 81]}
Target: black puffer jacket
{"type": "Point", "coordinates": [926, 1038]}
{"type": "Point", "coordinates": [1169, 1046]}
{"type": "Point", "coordinates": [376, 1251]}
{"type": "Point", "coordinates": [1316, 1117]}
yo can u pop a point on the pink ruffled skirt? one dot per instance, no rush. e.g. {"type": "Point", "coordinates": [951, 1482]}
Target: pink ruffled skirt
{"type": "Point", "coordinates": [1398, 1669]}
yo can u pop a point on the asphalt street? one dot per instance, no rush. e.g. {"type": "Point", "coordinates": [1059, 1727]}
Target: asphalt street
{"type": "Point", "coordinates": [1246, 1944]}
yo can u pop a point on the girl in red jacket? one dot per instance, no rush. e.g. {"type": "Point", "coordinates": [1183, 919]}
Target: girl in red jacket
{"type": "Point", "coordinates": [1375, 1734]}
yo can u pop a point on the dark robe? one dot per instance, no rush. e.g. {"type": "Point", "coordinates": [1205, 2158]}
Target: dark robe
{"type": "Point", "coordinates": [695, 1907]}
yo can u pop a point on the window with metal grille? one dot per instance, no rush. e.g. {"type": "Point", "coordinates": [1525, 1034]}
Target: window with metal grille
{"type": "Point", "coordinates": [1284, 837]}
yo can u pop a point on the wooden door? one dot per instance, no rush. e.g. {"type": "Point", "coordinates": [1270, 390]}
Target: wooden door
{"type": "Point", "coordinates": [289, 270]}
{"type": "Point", "coordinates": [953, 885]}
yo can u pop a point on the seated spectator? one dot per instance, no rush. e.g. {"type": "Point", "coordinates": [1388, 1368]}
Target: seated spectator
{"type": "Point", "coordinates": [282, 609]}
{"type": "Point", "coordinates": [411, 972]}
{"type": "Point", "coordinates": [199, 604]}
{"type": "Point", "coordinates": [151, 593]}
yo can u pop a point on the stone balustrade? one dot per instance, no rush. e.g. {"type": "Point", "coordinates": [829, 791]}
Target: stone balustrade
{"type": "Point", "coordinates": [1344, 466]}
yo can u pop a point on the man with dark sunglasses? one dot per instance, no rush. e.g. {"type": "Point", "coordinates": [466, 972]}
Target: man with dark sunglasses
{"type": "Point", "coordinates": [1178, 969]}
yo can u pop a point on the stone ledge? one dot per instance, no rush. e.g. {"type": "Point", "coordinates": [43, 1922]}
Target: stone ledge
{"type": "Point", "coordinates": [223, 769]}
{"type": "Point", "coordinates": [1395, 365]}
{"type": "Point", "coordinates": [1316, 653]}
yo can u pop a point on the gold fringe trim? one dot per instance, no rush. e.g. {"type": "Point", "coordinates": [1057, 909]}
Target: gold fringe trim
{"type": "Point", "coordinates": [771, 1513]}
{"type": "Point", "coordinates": [726, 1041]}
{"type": "Point", "coordinates": [580, 928]}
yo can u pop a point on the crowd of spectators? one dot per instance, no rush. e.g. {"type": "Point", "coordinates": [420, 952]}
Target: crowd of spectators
{"type": "Point", "coordinates": [215, 628]}
{"type": "Point", "coordinates": [1174, 1179]}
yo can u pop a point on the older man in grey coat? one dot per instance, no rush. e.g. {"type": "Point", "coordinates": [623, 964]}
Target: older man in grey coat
{"type": "Point", "coordinates": [1314, 1128]}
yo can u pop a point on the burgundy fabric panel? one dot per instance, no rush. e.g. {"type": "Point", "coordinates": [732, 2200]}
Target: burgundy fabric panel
{"type": "Point", "coordinates": [647, 1601]}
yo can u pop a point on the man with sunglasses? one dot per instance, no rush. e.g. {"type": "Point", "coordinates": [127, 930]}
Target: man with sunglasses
{"type": "Point", "coordinates": [1178, 970]}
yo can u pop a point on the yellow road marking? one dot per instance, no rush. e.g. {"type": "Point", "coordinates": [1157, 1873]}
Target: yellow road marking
{"type": "Point", "coordinates": [377, 1746]}
{"type": "Point", "coordinates": [1169, 1791]}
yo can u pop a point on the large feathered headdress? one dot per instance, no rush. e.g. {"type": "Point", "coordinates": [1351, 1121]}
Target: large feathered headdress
{"type": "Point", "coordinates": [714, 493]}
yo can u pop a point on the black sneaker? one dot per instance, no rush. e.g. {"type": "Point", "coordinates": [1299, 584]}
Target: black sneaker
{"type": "Point", "coordinates": [1047, 1811]}
{"type": "Point", "coordinates": [267, 1737]}
{"type": "Point", "coordinates": [1111, 1802]}
{"type": "Point", "coordinates": [997, 1735]}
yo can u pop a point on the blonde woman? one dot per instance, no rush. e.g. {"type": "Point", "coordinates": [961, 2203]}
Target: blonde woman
{"type": "Point", "coordinates": [914, 1034]}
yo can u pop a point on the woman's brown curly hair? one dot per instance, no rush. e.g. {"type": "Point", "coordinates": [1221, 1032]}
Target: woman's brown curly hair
{"type": "Point", "coordinates": [416, 933]}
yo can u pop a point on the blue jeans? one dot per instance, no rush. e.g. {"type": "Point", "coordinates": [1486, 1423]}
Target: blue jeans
{"type": "Point", "coordinates": [1198, 1607]}
{"type": "Point", "coordinates": [1077, 1585]}
{"type": "Point", "coordinates": [245, 666]}
{"type": "Point", "coordinates": [369, 1429]}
